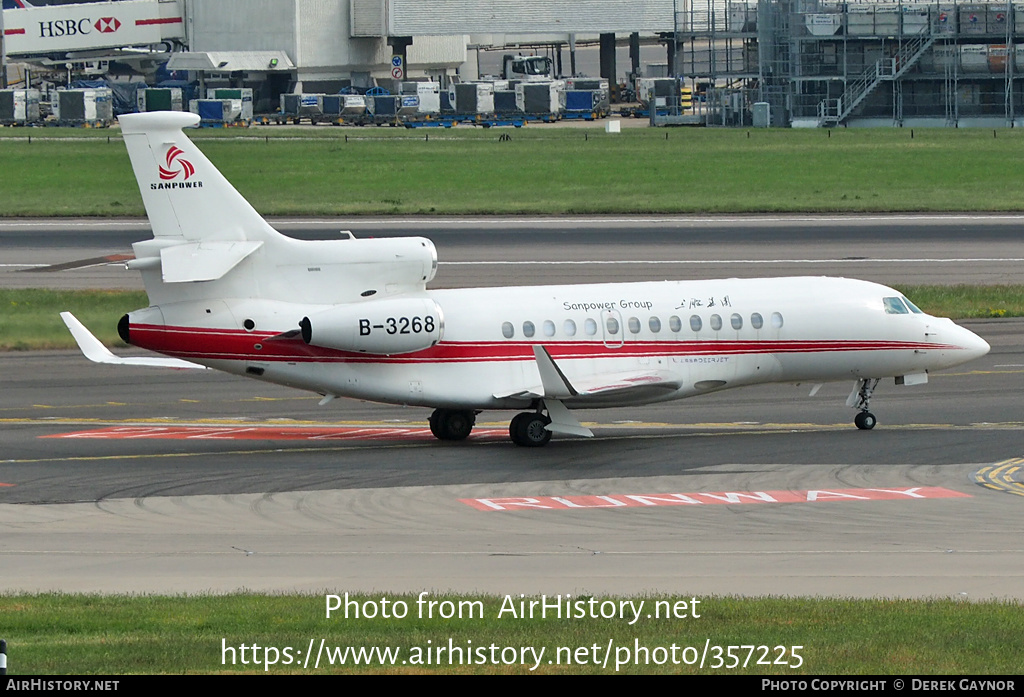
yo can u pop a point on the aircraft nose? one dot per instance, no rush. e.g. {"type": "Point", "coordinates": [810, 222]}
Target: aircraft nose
{"type": "Point", "coordinates": [969, 342]}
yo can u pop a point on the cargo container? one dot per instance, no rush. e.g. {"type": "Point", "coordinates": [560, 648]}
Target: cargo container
{"type": "Point", "coordinates": [539, 98]}
{"type": "Point", "coordinates": [603, 104]}
{"type": "Point", "coordinates": [383, 105]}
{"type": "Point", "coordinates": [84, 107]}
{"type": "Point", "coordinates": [301, 106]}
{"type": "Point", "coordinates": [19, 107]}
{"type": "Point", "coordinates": [159, 99]}
{"type": "Point", "coordinates": [243, 94]}
{"type": "Point", "coordinates": [219, 112]}
{"type": "Point", "coordinates": [429, 95]}
{"type": "Point", "coordinates": [505, 102]}
{"type": "Point", "coordinates": [472, 97]}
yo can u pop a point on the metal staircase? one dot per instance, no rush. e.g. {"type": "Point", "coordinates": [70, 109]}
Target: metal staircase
{"type": "Point", "coordinates": [834, 111]}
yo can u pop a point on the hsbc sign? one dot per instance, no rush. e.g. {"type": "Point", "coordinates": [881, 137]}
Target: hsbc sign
{"type": "Point", "coordinates": [81, 27]}
{"type": "Point", "coordinates": [73, 27]}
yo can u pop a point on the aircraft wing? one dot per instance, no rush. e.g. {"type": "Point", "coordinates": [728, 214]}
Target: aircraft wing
{"type": "Point", "coordinates": [555, 385]}
{"type": "Point", "coordinates": [96, 352]}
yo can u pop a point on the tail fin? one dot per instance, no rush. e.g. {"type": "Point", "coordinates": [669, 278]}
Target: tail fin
{"type": "Point", "coordinates": [186, 198]}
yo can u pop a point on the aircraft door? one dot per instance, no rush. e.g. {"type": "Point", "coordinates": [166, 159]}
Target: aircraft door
{"type": "Point", "coordinates": [612, 328]}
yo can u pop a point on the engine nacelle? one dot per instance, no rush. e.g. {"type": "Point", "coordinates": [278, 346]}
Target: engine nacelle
{"type": "Point", "coordinates": [384, 327]}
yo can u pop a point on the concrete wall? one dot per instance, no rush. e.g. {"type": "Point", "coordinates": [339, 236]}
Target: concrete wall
{"type": "Point", "coordinates": [314, 34]}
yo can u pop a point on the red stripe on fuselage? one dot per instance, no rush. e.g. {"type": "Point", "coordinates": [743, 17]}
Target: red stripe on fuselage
{"type": "Point", "coordinates": [194, 343]}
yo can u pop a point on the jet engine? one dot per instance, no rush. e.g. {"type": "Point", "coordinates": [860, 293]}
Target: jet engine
{"type": "Point", "coordinates": [384, 327]}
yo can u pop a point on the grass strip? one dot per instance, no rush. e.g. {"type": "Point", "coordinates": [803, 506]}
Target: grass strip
{"type": "Point", "coordinates": [117, 635]}
{"type": "Point", "coordinates": [29, 319]}
{"type": "Point", "coordinates": [967, 301]}
{"type": "Point", "coordinates": [324, 171]}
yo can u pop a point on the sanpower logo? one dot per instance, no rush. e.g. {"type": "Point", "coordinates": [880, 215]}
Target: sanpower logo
{"type": "Point", "coordinates": [176, 166]}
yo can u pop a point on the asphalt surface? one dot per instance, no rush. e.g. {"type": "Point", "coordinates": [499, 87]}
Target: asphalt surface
{"type": "Point", "coordinates": [473, 251]}
{"type": "Point", "coordinates": [134, 480]}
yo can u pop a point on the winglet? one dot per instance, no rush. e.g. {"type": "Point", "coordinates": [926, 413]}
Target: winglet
{"type": "Point", "coordinates": [96, 352]}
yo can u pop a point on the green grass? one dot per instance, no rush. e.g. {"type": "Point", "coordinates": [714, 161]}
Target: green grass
{"type": "Point", "coordinates": [30, 318]}
{"type": "Point", "coordinates": [81, 634]}
{"type": "Point", "coordinates": [543, 170]}
{"type": "Point", "coordinates": [968, 302]}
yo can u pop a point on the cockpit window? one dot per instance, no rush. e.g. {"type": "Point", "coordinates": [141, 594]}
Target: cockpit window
{"type": "Point", "coordinates": [913, 308]}
{"type": "Point", "coordinates": [894, 306]}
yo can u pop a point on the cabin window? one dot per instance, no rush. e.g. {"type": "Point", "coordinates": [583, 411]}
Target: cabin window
{"type": "Point", "coordinates": [913, 308]}
{"type": "Point", "coordinates": [894, 306]}
{"type": "Point", "coordinates": [777, 320]}
{"type": "Point", "coordinates": [590, 327]}
{"type": "Point", "coordinates": [716, 322]}
{"type": "Point", "coordinates": [655, 324]}
{"type": "Point", "coordinates": [611, 325]}
{"type": "Point", "coordinates": [634, 325]}
{"type": "Point", "coordinates": [549, 328]}
{"type": "Point", "coordinates": [507, 330]}
{"type": "Point", "coordinates": [756, 321]}
{"type": "Point", "coordinates": [736, 321]}
{"type": "Point", "coordinates": [675, 324]}
{"type": "Point", "coordinates": [570, 327]}
{"type": "Point", "coordinates": [696, 323]}
{"type": "Point", "coordinates": [528, 329]}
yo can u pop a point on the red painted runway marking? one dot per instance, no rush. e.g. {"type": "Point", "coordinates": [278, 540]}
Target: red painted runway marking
{"type": "Point", "coordinates": [703, 498]}
{"type": "Point", "coordinates": [267, 433]}
{"type": "Point", "coordinates": [5, 484]}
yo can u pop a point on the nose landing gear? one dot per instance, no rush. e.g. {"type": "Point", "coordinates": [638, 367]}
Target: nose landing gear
{"type": "Point", "coordinates": [860, 398]}
{"type": "Point", "coordinates": [865, 420]}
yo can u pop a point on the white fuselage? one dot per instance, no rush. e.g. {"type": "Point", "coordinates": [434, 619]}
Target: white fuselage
{"type": "Point", "coordinates": [698, 336]}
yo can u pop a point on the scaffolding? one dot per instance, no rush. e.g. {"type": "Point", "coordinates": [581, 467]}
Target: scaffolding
{"type": "Point", "coordinates": [825, 62]}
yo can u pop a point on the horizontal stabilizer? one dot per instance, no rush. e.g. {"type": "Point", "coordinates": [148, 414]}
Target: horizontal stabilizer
{"type": "Point", "coordinates": [202, 261]}
{"type": "Point", "coordinates": [96, 352]}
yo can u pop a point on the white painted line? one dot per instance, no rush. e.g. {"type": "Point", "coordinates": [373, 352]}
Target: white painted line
{"type": "Point", "coordinates": [515, 221]}
{"type": "Point", "coordinates": [730, 261]}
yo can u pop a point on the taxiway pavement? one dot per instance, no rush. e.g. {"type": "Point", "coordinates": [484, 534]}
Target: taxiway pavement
{"type": "Point", "coordinates": [135, 480]}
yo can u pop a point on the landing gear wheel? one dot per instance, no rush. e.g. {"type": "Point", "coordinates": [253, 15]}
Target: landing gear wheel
{"type": "Point", "coordinates": [527, 429]}
{"type": "Point", "coordinates": [865, 420]}
{"type": "Point", "coordinates": [452, 424]}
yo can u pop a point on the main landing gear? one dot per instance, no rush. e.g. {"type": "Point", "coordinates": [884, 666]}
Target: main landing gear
{"type": "Point", "coordinates": [860, 398]}
{"type": "Point", "coordinates": [452, 424]}
{"type": "Point", "coordinates": [528, 429]}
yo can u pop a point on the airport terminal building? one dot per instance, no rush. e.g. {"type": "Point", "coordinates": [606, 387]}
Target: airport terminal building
{"type": "Point", "coordinates": [804, 63]}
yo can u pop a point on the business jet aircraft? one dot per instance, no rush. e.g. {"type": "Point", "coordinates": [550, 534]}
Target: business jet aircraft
{"type": "Point", "coordinates": [353, 318]}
